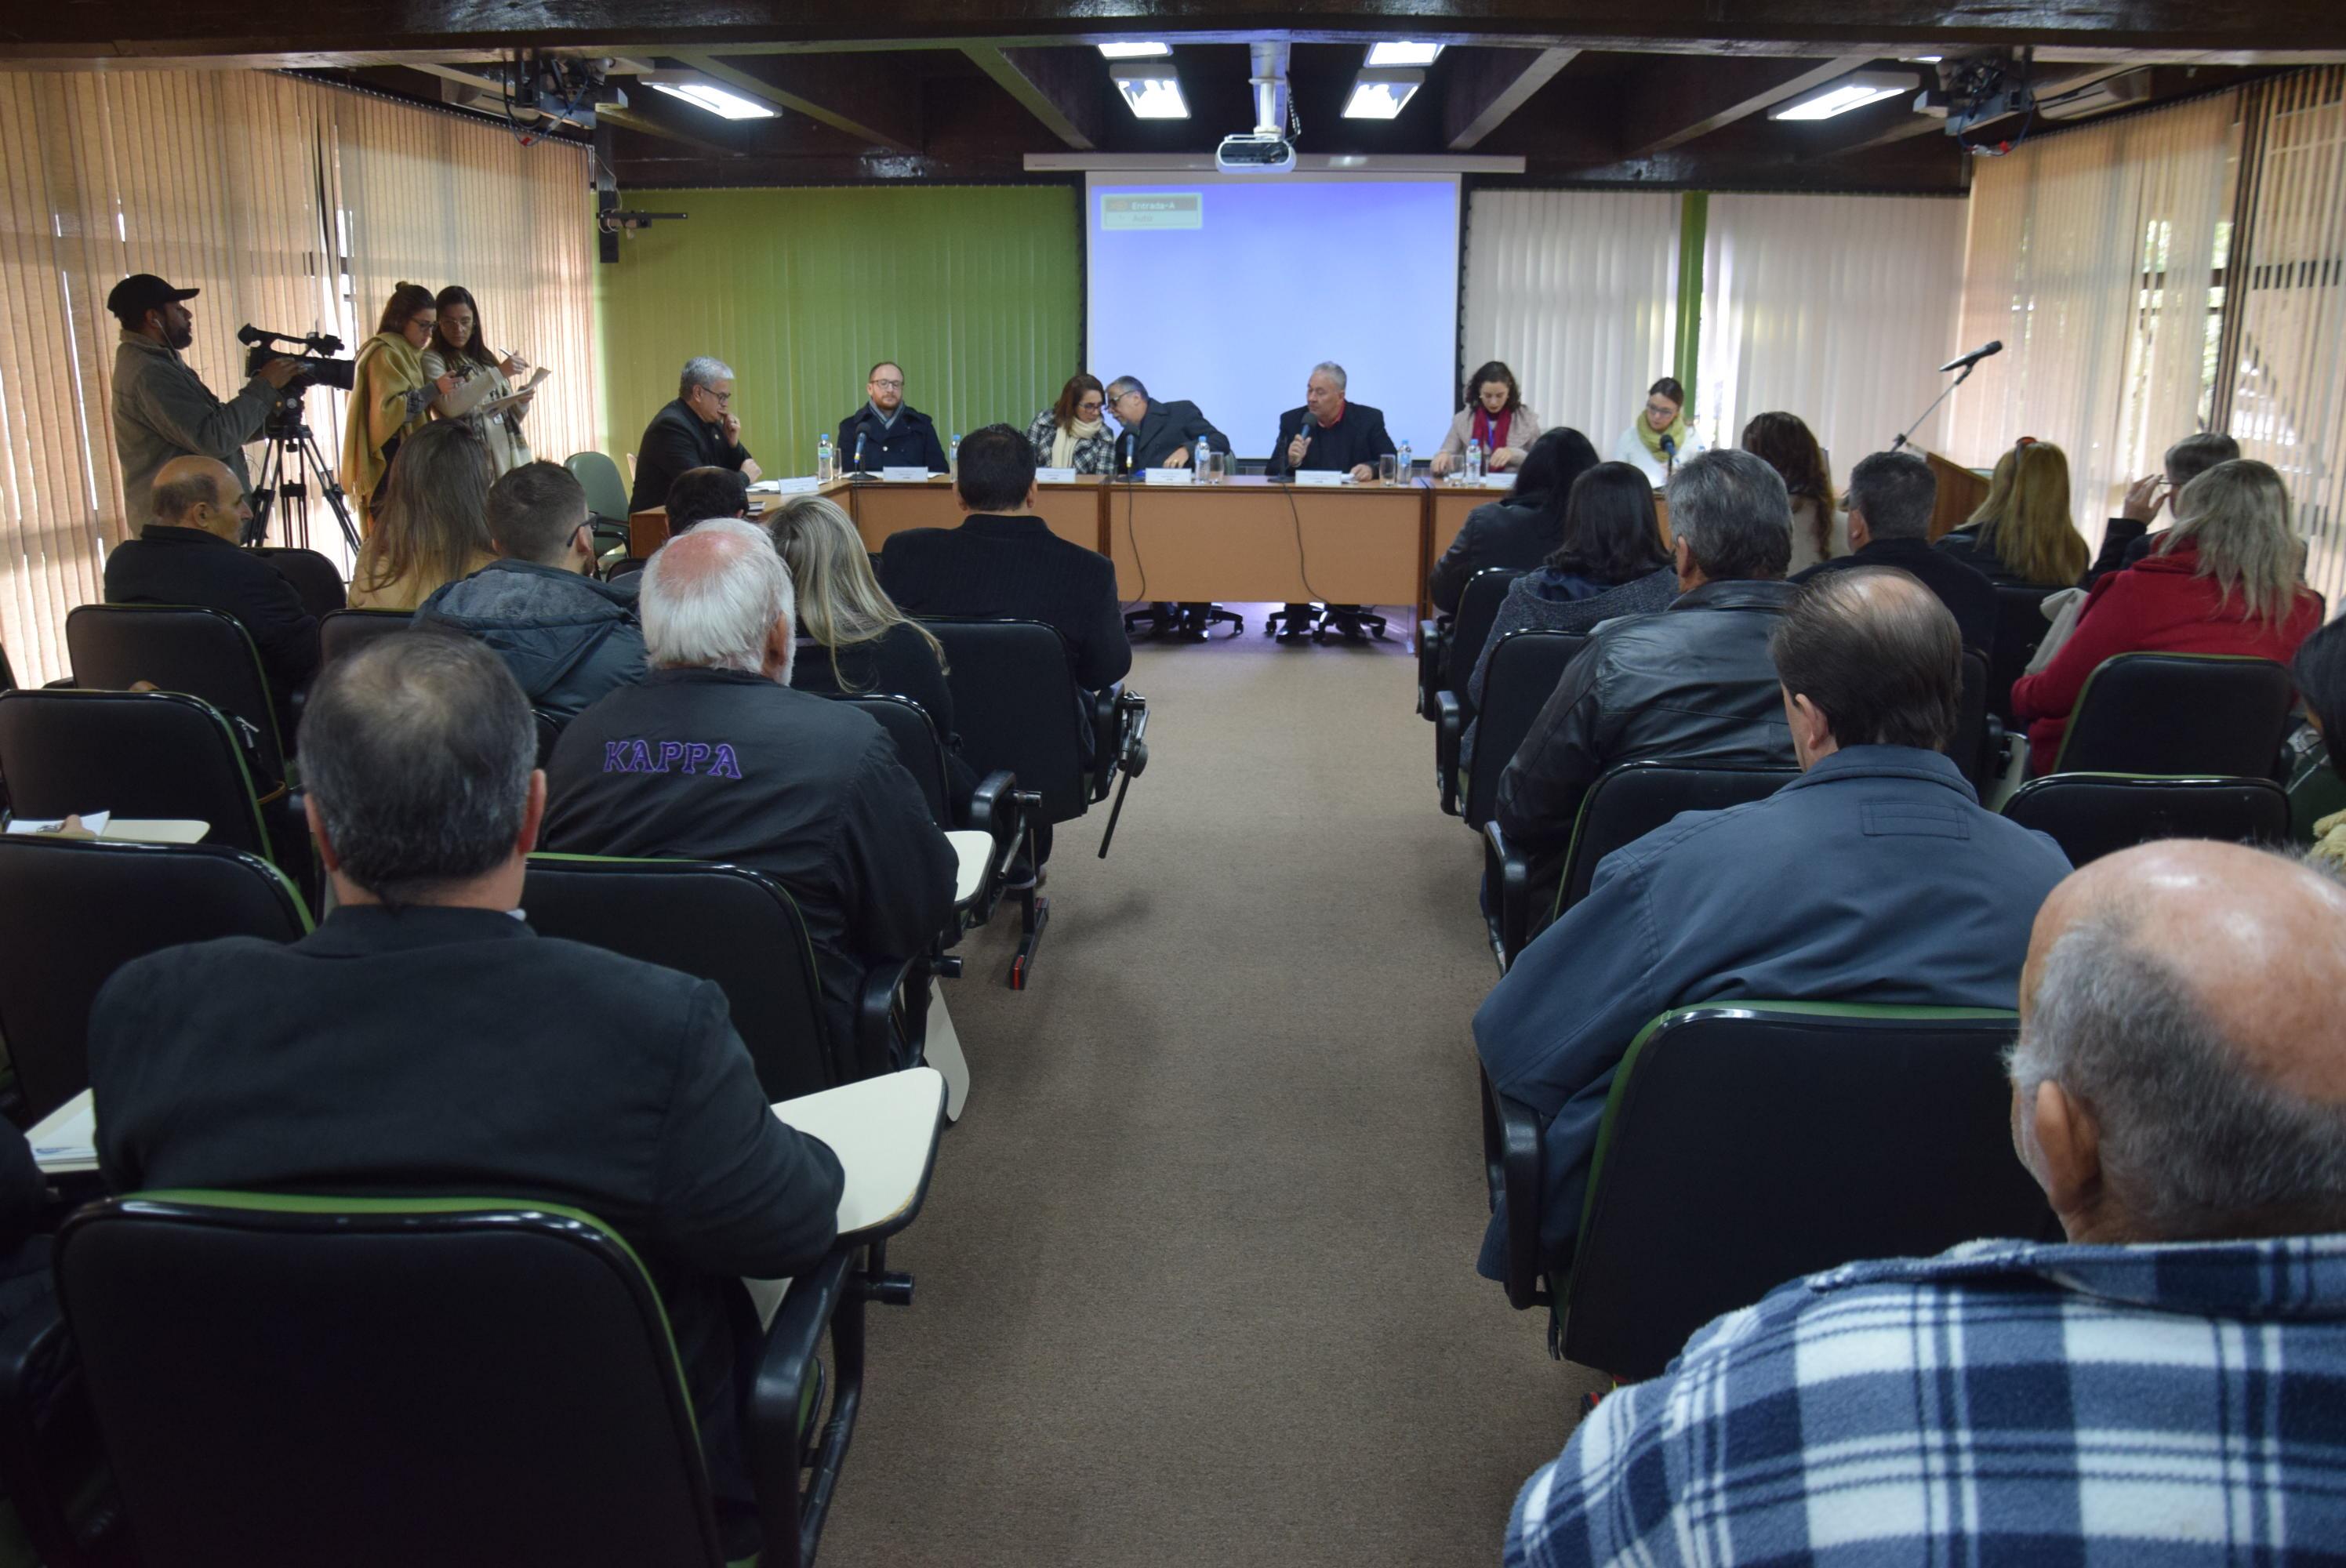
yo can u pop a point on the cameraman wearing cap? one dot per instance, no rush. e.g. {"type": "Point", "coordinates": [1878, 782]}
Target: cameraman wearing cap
{"type": "Point", "coordinates": [162, 410]}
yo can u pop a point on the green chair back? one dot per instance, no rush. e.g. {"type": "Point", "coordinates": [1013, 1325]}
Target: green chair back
{"type": "Point", "coordinates": [606, 492]}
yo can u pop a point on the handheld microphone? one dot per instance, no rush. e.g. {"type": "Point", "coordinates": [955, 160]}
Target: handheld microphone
{"type": "Point", "coordinates": [1965, 362]}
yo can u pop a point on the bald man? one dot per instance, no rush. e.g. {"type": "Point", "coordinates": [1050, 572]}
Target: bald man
{"type": "Point", "coordinates": [715, 757]}
{"type": "Point", "coordinates": [189, 555]}
{"type": "Point", "coordinates": [2169, 1387]}
{"type": "Point", "coordinates": [1874, 877]}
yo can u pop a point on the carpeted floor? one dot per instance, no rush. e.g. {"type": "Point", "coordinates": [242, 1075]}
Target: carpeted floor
{"type": "Point", "coordinates": [1196, 1276]}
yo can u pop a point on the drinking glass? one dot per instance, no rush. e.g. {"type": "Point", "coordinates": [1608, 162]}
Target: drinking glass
{"type": "Point", "coordinates": [1387, 469]}
{"type": "Point", "coordinates": [1217, 467]}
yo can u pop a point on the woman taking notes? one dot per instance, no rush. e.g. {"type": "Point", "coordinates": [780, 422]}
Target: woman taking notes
{"type": "Point", "coordinates": [1070, 433]}
{"type": "Point", "coordinates": [390, 394]}
{"type": "Point", "coordinates": [1661, 438]}
{"type": "Point", "coordinates": [1494, 416]}
{"type": "Point", "coordinates": [482, 391]}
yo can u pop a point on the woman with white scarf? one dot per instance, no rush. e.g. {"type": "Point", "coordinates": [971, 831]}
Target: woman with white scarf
{"type": "Point", "coordinates": [1070, 434]}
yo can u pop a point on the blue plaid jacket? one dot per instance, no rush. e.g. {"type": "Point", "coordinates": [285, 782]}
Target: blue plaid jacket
{"type": "Point", "coordinates": [2143, 1407]}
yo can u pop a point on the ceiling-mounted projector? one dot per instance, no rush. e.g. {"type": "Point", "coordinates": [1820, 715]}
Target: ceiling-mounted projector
{"type": "Point", "coordinates": [1257, 152]}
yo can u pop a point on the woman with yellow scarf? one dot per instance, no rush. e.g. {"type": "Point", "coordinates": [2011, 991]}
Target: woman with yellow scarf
{"type": "Point", "coordinates": [1660, 439]}
{"type": "Point", "coordinates": [389, 395]}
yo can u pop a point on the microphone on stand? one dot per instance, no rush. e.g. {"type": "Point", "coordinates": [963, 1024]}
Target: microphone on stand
{"type": "Point", "coordinates": [1965, 362]}
{"type": "Point", "coordinates": [855, 463]}
{"type": "Point", "coordinates": [1669, 454]}
{"type": "Point", "coordinates": [1128, 446]}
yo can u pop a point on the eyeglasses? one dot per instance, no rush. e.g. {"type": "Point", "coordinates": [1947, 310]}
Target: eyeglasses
{"type": "Point", "coordinates": [1662, 410]}
{"type": "Point", "coordinates": [885, 384]}
{"type": "Point", "coordinates": [724, 398]}
{"type": "Point", "coordinates": [1089, 405]}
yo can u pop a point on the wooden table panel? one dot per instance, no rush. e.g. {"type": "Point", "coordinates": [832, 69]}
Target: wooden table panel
{"type": "Point", "coordinates": [1238, 540]}
{"type": "Point", "coordinates": [1070, 511]}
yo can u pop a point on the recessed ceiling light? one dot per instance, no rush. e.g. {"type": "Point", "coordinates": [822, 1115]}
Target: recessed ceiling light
{"type": "Point", "coordinates": [717, 100]}
{"type": "Point", "coordinates": [1396, 52]}
{"type": "Point", "coordinates": [1928, 59]}
{"type": "Point", "coordinates": [1136, 49]}
{"type": "Point", "coordinates": [1153, 91]}
{"type": "Point", "coordinates": [1852, 92]}
{"type": "Point", "coordinates": [1381, 95]}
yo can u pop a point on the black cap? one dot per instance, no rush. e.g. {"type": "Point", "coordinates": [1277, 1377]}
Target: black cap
{"type": "Point", "coordinates": [141, 292]}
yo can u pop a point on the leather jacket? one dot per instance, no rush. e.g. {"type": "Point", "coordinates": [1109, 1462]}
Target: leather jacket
{"type": "Point", "coordinates": [1692, 683]}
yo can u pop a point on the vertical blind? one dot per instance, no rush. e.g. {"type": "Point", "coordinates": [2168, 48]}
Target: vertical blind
{"type": "Point", "coordinates": [293, 206]}
{"type": "Point", "coordinates": [2094, 255]}
{"type": "Point", "coordinates": [1576, 292]}
{"type": "Point", "coordinates": [1838, 309]}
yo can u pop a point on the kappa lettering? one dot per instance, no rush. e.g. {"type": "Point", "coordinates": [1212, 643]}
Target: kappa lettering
{"type": "Point", "coordinates": [705, 758]}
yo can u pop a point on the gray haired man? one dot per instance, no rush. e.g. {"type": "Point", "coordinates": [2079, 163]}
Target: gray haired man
{"type": "Point", "coordinates": [699, 430]}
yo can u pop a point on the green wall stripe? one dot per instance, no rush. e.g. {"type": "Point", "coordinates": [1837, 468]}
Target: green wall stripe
{"type": "Point", "coordinates": [975, 290]}
{"type": "Point", "coordinates": [1694, 229]}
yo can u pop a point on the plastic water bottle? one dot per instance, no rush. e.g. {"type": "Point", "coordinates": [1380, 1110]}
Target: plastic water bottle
{"type": "Point", "coordinates": [953, 456]}
{"type": "Point", "coordinates": [826, 461]}
{"type": "Point", "coordinates": [1405, 467]}
{"type": "Point", "coordinates": [1201, 458]}
{"type": "Point", "coordinates": [1474, 463]}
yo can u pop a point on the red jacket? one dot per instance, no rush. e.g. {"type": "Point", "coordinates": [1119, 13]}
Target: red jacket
{"type": "Point", "coordinates": [2156, 605]}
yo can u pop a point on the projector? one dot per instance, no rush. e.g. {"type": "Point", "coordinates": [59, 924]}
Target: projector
{"type": "Point", "coordinates": [1259, 152]}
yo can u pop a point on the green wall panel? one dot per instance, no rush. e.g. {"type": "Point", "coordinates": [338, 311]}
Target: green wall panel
{"type": "Point", "coordinates": [976, 290]}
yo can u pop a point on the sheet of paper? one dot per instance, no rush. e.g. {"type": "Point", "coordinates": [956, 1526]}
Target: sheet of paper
{"type": "Point", "coordinates": [91, 822]}
{"type": "Point", "coordinates": [1171, 476]}
{"type": "Point", "coordinates": [804, 484]}
{"type": "Point", "coordinates": [1318, 476]}
{"type": "Point", "coordinates": [1055, 476]}
{"type": "Point", "coordinates": [906, 476]}
{"type": "Point", "coordinates": [65, 1140]}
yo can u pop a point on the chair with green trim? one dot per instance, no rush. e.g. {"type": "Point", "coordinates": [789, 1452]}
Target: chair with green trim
{"type": "Point", "coordinates": [1745, 1144]}
{"type": "Point", "coordinates": [2091, 815]}
{"type": "Point", "coordinates": [741, 929]}
{"type": "Point", "coordinates": [343, 632]}
{"type": "Point", "coordinates": [74, 911]}
{"type": "Point", "coordinates": [2179, 714]}
{"type": "Point", "coordinates": [452, 1381]}
{"type": "Point", "coordinates": [133, 753]}
{"type": "Point", "coordinates": [606, 497]}
{"type": "Point", "coordinates": [1453, 710]}
{"type": "Point", "coordinates": [1525, 668]}
{"type": "Point", "coordinates": [996, 809]}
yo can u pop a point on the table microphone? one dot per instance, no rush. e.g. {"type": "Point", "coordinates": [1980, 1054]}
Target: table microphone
{"type": "Point", "coordinates": [855, 463]}
{"type": "Point", "coordinates": [1127, 448]}
{"type": "Point", "coordinates": [1965, 362]}
{"type": "Point", "coordinates": [1669, 449]}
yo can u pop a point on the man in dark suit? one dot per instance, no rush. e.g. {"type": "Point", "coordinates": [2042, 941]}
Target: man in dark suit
{"type": "Point", "coordinates": [188, 555]}
{"type": "Point", "coordinates": [887, 432]}
{"type": "Point", "coordinates": [699, 430]}
{"type": "Point", "coordinates": [423, 1040]}
{"type": "Point", "coordinates": [1163, 434]}
{"type": "Point", "coordinates": [1334, 435]}
{"type": "Point", "coordinates": [1891, 495]}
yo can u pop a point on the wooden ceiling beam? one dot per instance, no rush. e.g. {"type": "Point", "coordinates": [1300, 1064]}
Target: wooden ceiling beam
{"type": "Point", "coordinates": [866, 99]}
{"type": "Point", "coordinates": [1060, 87]}
{"type": "Point", "coordinates": [1484, 86]}
{"type": "Point", "coordinates": [1671, 105]}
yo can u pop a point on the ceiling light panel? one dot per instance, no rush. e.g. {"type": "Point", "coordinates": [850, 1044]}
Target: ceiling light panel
{"type": "Point", "coordinates": [1402, 52]}
{"type": "Point", "coordinates": [1851, 92]}
{"type": "Point", "coordinates": [1154, 92]}
{"type": "Point", "coordinates": [1136, 49]}
{"type": "Point", "coordinates": [1381, 95]}
{"type": "Point", "coordinates": [717, 100]}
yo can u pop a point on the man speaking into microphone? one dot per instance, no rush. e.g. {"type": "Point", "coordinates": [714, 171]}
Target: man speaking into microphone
{"type": "Point", "coordinates": [1327, 432]}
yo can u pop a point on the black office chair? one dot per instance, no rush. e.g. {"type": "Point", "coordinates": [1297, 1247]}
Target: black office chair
{"type": "Point", "coordinates": [2020, 629]}
{"type": "Point", "coordinates": [995, 807]}
{"type": "Point", "coordinates": [204, 652]}
{"type": "Point", "coordinates": [2091, 815]}
{"type": "Point", "coordinates": [1020, 712]}
{"type": "Point", "coordinates": [625, 567]}
{"type": "Point", "coordinates": [458, 1381]}
{"type": "Point", "coordinates": [135, 754]}
{"type": "Point", "coordinates": [1525, 668]}
{"type": "Point", "coordinates": [1746, 1143]}
{"type": "Point", "coordinates": [74, 911]}
{"type": "Point", "coordinates": [1626, 802]}
{"type": "Point", "coordinates": [344, 632]}
{"type": "Point", "coordinates": [549, 731]}
{"type": "Point", "coordinates": [1453, 710]}
{"type": "Point", "coordinates": [2201, 715]}
{"type": "Point", "coordinates": [314, 576]}
{"type": "Point", "coordinates": [741, 930]}
{"type": "Point", "coordinates": [1978, 746]}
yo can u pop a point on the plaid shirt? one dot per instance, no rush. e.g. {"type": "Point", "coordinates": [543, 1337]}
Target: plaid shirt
{"type": "Point", "coordinates": [2135, 1406]}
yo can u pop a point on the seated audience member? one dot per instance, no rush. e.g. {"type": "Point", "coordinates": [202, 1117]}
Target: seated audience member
{"type": "Point", "coordinates": [2321, 671]}
{"type": "Point", "coordinates": [701, 494]}
{"type": "Point", "coordinates": [1492, 416]}
{"type": "Point", "coordinates": [567, 637]}
{"type": "Point", "coordinates": [1890, 494]}
{"type": "Point", "coordinates": [1611, 564]}
{"type": "Point", "coordinates": [432, 527]}
{"type": "Point", "coordinates": [1071, 434]}
{"type": "Point", "coordinates": [715, 757]}
{"type": "Point", "coordinates": [516, 1065]}
{"type": "Point", "coordinates": [698, 430]}
{"type": "Point", "coordinates": [1004, 561]}
{"type": "Point", "coordinates": [1819, 529]}
{"type": "Point", "coordinates": [2028, 541]}
{"type": "Point", "coordinates": [2223, 580]}
{"type": "Point", "coordinates": [887, 432]}
{"type": "Point", "coordinates": [188, 555]}
{"type": "Point", "coordinates": [1692, 683]}
{"type": "Point", "coordinates": [2159, 1388]}
{"type": "Point", "coordinates": [853, 639]}
{"type": "Point", "coordinates": [1520, 529]}
{"type": "Point", "coordinates": [2128, 538]}
{"type": "Point", "coordinates": [1874, 877]}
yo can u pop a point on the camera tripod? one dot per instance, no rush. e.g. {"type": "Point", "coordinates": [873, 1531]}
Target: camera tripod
{"type": "Point", "coordinates": [285, 475]}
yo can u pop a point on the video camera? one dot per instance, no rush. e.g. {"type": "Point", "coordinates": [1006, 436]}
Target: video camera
{"type": "Point", "coordinates": [317, 368]}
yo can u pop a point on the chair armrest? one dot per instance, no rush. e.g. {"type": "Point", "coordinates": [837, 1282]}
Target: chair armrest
{"type": "Point", "coordinates": [1449, 727]}
{"type": "Point", "coordinates": [1105, 741]}
{"type": "Point", "coordinates": [992, 811]}
{"type": "Point", "coordinates": [1507, 873]}
{"type": "Point", "coordinates": [894, 1003]}
{"type": "Point", "coordinates": [1522, 1163]}
{"type": "Point", "coordinates": [774, 1430]}
{"type": "Point", "coordinates": [1432, 653]}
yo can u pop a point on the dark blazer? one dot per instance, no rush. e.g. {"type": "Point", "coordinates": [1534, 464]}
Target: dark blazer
{"type": "Point", "coordinates": [724, 765]}
{"type": "Point", "coordinates": [910, 443]}
{"type": "Point", "coordinates": [1167, 428]}
{"type": "Point", "coordinates": [166, 565]}
{"type": "Point", "coordinates": [1495, 534]}
{"type": "Point", "coordinates": [897, 663]}
{"type": "Point", "coordinates": [454, 1052]}
{"type": "Point", "coordinates": [2125, 541]}
{"type": "Point", "coordinates": [1969, 596]}
{"type": "Point", "coordinates": [1874, 877]}
{"type": "Point", "coordinates": [1016, 568]}
{"type": "Point", "coordinates": [1964, 545]}
{"type": "Point", "coordinates": [1359, 437]}
{"type": "Point", "coordinates": [677, 439]}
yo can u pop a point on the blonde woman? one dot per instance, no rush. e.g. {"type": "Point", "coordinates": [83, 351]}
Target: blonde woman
{"type": "Point", "coordinates": [2225, 580]}
{"type": "Point", "coordinates": [853, 639]}
{"type": "Point", "coordinates": [389, 395]}
{"type": "Point", "coordinates": [2022, 535]}
{"type": "Point", "coordinates": [433, 526]}
{"type": "Point", "coordinates": [458, 348]}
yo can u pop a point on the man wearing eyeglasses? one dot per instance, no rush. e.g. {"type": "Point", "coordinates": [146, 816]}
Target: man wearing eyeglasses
{"type": "Point", "coordinates": [699, 430]}
{"type": "Point", "coordinates": [887, 432]}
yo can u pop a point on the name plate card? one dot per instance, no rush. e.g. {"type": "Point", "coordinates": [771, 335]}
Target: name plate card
{"type": "Point", "coordinates": [1319, 476]}
{"type": "Point", "coordinates": [916, 476]}
{"type": "Point", "coordinates": [1055, 476]}
{"type": "Point", "coordinates": [1169, 476]}
{"type": "Point", "coordinates": [806, 484]}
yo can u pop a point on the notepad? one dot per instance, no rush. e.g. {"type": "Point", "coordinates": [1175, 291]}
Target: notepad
{"type": "Point", "coordinates": [116, 830]}
{"type": "Point", "coordinates": [65, 1140]}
